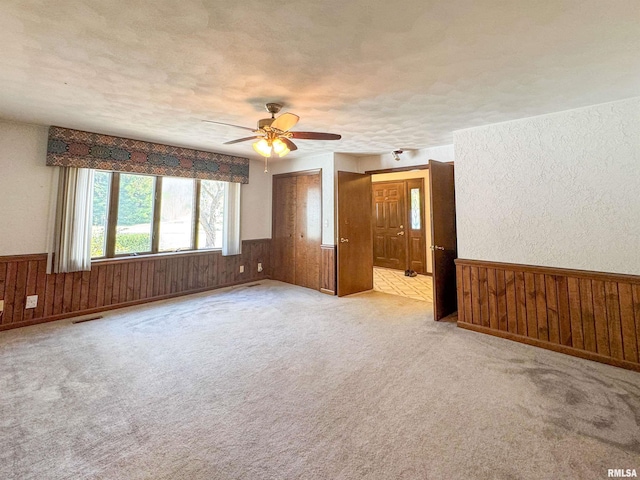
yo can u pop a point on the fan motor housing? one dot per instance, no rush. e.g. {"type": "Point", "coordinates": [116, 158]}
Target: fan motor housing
{"type": "Point", "coordinates": [265, 122]}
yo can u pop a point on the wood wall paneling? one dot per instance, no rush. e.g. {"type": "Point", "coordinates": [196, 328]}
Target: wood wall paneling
{"type": "Point", "coordinates": [328, 269]}
{"type": "Point", "coordinates": [587, 314]}
{"type": "Point", "coordinates": [120, 282]}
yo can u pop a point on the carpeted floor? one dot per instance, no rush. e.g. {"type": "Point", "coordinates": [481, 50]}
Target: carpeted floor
{"type": "Point", "coordinates": [280, 382]}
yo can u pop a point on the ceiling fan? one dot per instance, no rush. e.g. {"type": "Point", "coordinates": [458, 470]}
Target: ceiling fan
{"type": "Point", "coordinates": [274, 135]}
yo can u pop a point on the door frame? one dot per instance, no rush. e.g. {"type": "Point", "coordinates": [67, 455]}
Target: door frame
{"type": "Point", "coordinates": [406, 169]}
{"type": "Point", "coordinates": [407, 218]}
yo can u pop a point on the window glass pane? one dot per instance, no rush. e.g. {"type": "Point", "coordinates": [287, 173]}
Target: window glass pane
{"type": "Point", "coordinates": [211, 208]}
{"type": "Point", "coordinates": [415, 209]}
{"type": "Point", "coordinates": [101, 182]}
{"type": "Point", "coordinates": [176, 214]}
{"type": "Point", "coordinates": [135, 214]}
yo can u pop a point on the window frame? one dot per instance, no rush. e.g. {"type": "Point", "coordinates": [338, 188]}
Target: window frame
{"type": "Point", "coordinates": [112, 219]}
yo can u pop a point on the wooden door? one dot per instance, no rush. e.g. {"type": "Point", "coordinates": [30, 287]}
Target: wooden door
{"type": "Point", "coordinates": [284, 228]}
{"type": "Point", "coordinates": [389, 216]}
{"type": "Point", "coordinates": [355, 246]}
{"type": "Point", "coordinates": [415, 229]}
{"type": "Point", "coordinates": [443, 236]}
{"type": "Point", "coordinates": [308, 235]}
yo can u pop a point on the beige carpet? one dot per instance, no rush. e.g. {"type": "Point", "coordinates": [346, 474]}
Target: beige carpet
{"type": "Point", "coordinates": [281, 382]}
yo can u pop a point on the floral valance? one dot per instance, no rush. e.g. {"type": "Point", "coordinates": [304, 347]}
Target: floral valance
{"type": "Point", "coordinates": [75, 148]}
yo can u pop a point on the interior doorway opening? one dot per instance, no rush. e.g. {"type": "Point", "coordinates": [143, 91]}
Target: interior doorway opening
{"type": "Point", "coordinates": [401, 230]}
{"type": "Point", "coordinates": [354, 230]}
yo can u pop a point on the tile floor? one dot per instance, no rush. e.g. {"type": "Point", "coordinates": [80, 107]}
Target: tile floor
{"type": "Point", "coordinates": [394, 282]}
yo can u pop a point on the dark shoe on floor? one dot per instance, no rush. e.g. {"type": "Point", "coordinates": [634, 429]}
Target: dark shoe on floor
{"type": "Point", "coordinates": [407, 273]}
{"type": "Point", "coordinates": [412, 274]}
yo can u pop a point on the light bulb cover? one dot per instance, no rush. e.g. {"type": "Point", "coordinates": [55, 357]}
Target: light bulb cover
{"type": "Point", "coordinates": [262, 147]}
{"type": "Point", "coordinates": [280, 147]}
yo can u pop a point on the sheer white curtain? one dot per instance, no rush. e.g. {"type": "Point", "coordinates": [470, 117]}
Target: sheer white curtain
{"type": "Point", "coordinates": [231, 222]}
{"type": "Point", "coordinates": [72, 237]}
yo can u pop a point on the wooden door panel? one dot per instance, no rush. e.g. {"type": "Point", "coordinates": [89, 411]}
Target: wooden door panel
{"type": "Point", "coordinates": [284, 227]}
{"type": "Point", "coordinates": [395, 214]}
{"type": "Point", "coordinates": [309, 231]}
{"type": "Point", "coordinates": [379, 250]}
{"type": "Point", "coordinates": [379, 215]}
{"type": "Point", "coordinates": [443, 234]}
{"type": "Point", "coordinates": [389, 219]}
{"type": "Point", "coordinates": [301, 255]}
{"type": "Point", "coordinates": [355, 245]}
{"type": "Point", "coordinates": [416, 255]}
{"type": "Point", "coordinates": [395, 252]}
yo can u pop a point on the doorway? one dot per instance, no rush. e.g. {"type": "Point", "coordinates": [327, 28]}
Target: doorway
{"type": "Point", "coordinates": [401, 220]}
{"type": "Point", "coordinates": [357, 241]}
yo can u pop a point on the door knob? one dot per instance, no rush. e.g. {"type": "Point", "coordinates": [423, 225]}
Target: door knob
{"type": "Point", "coordinates": [344, 240]}
{"type": "Point", "coordinates": [400, 233]}
{"type": "Point", "coordinates": [437, 247]}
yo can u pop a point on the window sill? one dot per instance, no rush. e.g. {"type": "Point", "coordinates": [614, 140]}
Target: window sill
{"type": "Point", "coordinates": [124, 258]}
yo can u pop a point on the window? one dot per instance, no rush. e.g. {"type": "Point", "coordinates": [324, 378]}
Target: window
{"type": "Point", "coordinates": [415, 209]}
{"type": "Point", "coordinates": [211, 209]}
{"type": "Point", "coordinates": [177, 214]}
{"type": "Point", "coordinates": [142, 214]}
{"type": "Point", "coordinates": [101, 186]}
{"type": "Point", "coordinates": [134, 226]}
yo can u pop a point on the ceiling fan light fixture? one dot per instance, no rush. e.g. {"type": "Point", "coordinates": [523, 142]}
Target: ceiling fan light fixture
{"type": "Point", "coordinates": [280, 147]}
{"type": "Point", "coordinates": [262, 147]}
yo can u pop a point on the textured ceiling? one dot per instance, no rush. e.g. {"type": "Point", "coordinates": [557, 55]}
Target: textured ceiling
{"type": "Point", "coordinates": [385, 75]}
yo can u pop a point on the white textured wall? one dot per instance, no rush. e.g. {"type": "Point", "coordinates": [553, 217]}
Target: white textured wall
{"type": "Point", "coordinates": [26, 184]}
{"type": "Point", "coordinates": [25, 187]}
{"type": "Point", "coordinates": [560, 190]}
{"type": "Point", "coordinates": [255, 203]}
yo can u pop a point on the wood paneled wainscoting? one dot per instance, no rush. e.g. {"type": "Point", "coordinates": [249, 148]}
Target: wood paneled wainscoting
{"type": "Point", "coordinates": [328, 269]}
{"type": "Point", "coordinates": [586, 314]}
{"type": "Point", "coordinates": [120, 282]}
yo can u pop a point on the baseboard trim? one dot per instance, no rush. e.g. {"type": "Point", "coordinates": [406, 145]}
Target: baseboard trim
{"type": "Point", "coordinates": [131, 303]}
{"type": "Point", "coordinates": [551, 346]}
{"type": "Point", "coordinates": [327, 291]}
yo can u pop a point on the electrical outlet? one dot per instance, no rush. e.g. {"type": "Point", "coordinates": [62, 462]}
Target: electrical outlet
{"type": "Point", "coordinates": [241, 268]}
{"type": "Point", "coordinates": [1, 305]}
{"type": "Point", "coordinates": [32, 301]}
{"type": "Point", "coordinates": [259, 266]}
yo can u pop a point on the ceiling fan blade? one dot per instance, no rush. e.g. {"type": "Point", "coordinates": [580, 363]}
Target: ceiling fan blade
{"type": "Point", "coordinates": [240, 140]}
{"type": "Point", "coordinates": [230, 125]}
{"type": "Point", "coordinates": [285, 122]}
{"type": "Point", "coordinates": [290, 145]}
{"type": "Point", "coordinates": [315, 136]}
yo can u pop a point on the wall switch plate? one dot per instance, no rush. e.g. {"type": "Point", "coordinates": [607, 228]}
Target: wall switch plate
{"type": "Point", "coordinates": [259, 266]}
{"type": "Point", "coordinates": [32, 301]}
{"type": "Point", "coordinates": [1, 305]}
{"type": "Point", "coordinates": [241, 268]}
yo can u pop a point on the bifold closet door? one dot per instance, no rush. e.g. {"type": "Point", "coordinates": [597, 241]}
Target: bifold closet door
{"type": "Point", "coordinates": [308, 231]}
{"type": "Point", "coordinates": [284, 228]}
{"type": "Point", "coordinates": [297, 228]}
